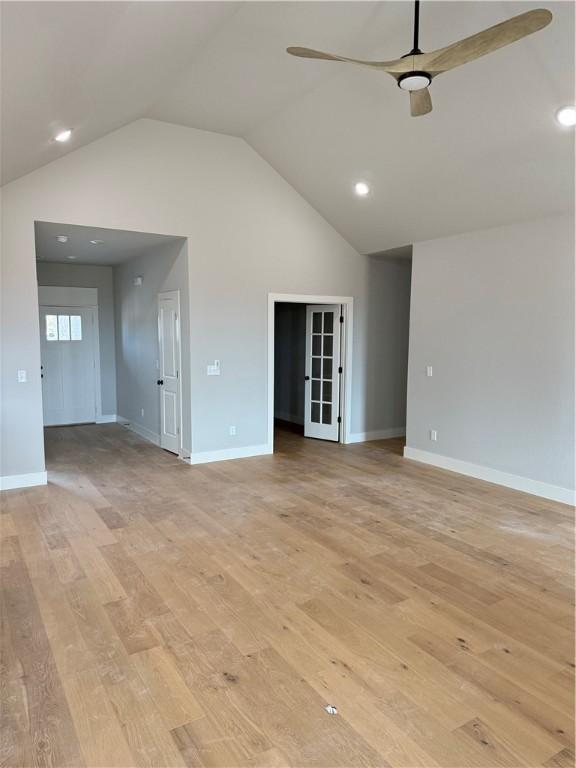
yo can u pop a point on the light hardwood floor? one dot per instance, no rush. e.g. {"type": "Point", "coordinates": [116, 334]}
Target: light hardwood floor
{"type": "Point", "coordinates": [157, 614]}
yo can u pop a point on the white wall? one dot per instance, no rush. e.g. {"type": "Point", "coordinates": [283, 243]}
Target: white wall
{"type": "Point", "coordinates": [99, 277]}
{"type": "Point", "coordinates": [164, 268]}
{"type": "Point", "coordinates": [249, 233]}
{"type": "Point", "coordinates": [493, 313]}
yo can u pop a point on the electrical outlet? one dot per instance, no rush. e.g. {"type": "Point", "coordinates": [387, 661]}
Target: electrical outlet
{"type": "Point", "coordinates": [22, 377]}
{"type": "Point", "coordinates": [433, 435]}
{"type": "Point", "coordinates": [232, 431]}
{"type": "Point", "coordinates": [141, 411]}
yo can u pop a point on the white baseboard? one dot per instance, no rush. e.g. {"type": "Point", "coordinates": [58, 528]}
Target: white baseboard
{"type": "Point", "coordinates": [230, 453]}
{"type": "Point", "coordinates": [9, 482]}
{"type": "Point", "coordinates": [379, 434]}
{"type": "Point", "coordinates": [107, 418]}
{"type": "Point", "coordinates": [517, 482]}
{"type": "Point", "coordinates": [147, 434]}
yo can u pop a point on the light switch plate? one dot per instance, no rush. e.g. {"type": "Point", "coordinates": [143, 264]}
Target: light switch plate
{"type": "Point", "coordinates": [429, 370]}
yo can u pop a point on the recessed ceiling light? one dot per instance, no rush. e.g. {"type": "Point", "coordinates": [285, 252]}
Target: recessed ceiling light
{"type": "Point", "coordinates": [62, 238]}
{"type": "Point", "coordinates": [71, 257]}
{"type": "Point", "coordinates": [566, 116]}
{"type": "Point", "coordinates": [361, 188]}
{"type": "Point", "coordinates": [63, 135]}
{"type": "Point", "coordinates": [97, 242]}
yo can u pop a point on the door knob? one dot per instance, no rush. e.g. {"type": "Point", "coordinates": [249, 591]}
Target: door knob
{"type": "Point", "coordinates": [160, 382]}
{"type": "Point", "coordinates": [306, 378]}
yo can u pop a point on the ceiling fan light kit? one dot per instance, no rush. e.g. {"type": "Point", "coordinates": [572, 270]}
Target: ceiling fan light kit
{"type": "Point", "coordinates": [415, 70]}
{"type": "Point", "coordinates": [414, 81]}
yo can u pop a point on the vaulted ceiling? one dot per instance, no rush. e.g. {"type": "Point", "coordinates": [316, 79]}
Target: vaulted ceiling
{"type": "Point", "coordinates": [490, 152]}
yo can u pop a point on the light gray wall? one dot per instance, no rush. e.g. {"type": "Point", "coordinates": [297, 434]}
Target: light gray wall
{"type": "Point", "coordinates": [249, 234]}
{"type": "Point", "coordinates": [289, 361]}
{"type": "Point", "coordinates": [493, 313]}
{"type": "Point", "coordinates": [382, 345]}
{"type": "Point", "coordinates": [88, 276]}
{"type": "Point", "coordinates": [164, 268]}
{"type": "Point", "coordinates": [386, 342]}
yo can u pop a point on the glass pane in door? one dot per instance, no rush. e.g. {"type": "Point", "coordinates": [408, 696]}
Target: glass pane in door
{"type": "Point", "coordinates": [316, 413]}
{"type": "Point", "coordinates": [51, 328]}
{"type": "Point", "coordinates": [76, 327]}
{"type": "Point", "coordinates": [64, 327]}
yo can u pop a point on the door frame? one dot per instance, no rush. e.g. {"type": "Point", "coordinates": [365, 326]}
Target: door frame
{"type": "Point", "coordinates": [78, 298]}
{"type": "Point", "coordinates": [347, 303]}
{"type": "Point", "coordinates": [176, 294]}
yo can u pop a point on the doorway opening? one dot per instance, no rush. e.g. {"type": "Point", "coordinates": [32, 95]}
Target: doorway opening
{"type": "Point", "coordinates": [114, 331]}
{"type": "Point", "coordinates": [309, 365]}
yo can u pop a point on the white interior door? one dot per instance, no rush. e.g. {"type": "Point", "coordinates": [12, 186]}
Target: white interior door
{"type": "Point", "coordinates": [169, 373]}
{"type": "Point", "coordinates": [323, 372]}
{"type": "Point", "coordinates": [68, 351]}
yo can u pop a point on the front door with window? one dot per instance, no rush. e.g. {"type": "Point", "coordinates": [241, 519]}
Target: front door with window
{"type": "Point", "coordinates": [322, 380]}
{"type": "Point", "coordinates": [68, 365]}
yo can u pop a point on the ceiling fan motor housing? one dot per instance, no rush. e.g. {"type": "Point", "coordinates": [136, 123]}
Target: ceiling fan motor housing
{"type": "Point", "coordinates": [414, 81]}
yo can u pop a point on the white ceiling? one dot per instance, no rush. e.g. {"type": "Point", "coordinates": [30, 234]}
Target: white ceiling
{"type": "Point", "coordinates": [488, 154]}
{"type": "Point", "coordinates": [117, 247]}
{"type": "Point", "coordinates": [93, 66]}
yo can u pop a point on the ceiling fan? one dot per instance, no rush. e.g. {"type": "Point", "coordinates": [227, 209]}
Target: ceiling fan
{"type": "Point", "coordinates": [415, 70]}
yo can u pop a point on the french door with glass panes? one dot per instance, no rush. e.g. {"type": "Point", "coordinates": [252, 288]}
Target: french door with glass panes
{"type": "Point", "coordinates": [323, 371]}
{"type": "Point", "coordinates": [68, 350]}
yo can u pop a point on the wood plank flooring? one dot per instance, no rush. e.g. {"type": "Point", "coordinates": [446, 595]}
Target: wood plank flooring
{"type": "Point", "coordinates": [156, 614]}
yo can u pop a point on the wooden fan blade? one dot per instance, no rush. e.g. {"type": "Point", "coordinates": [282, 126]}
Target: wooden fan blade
{"type": "Point", "coordinates": [489, 40]}
{"type": "Point", "coordinates": [396, 66]}
{"type": "Point", "coordinates": [420, 102]}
